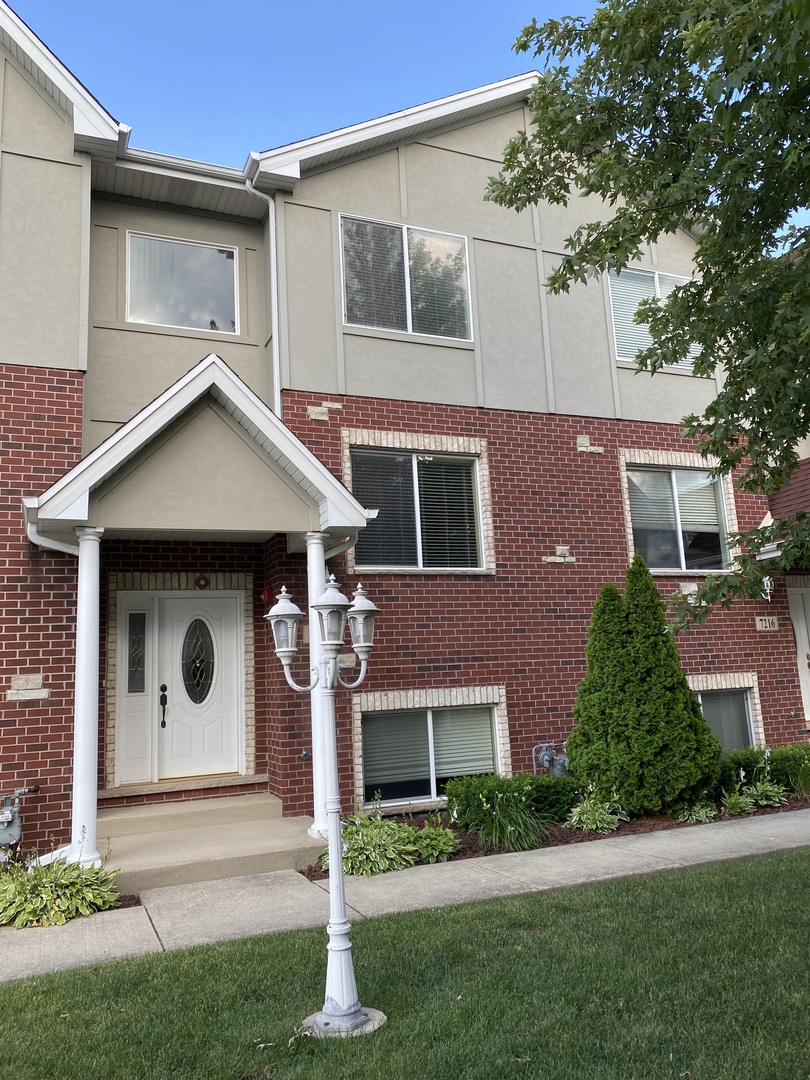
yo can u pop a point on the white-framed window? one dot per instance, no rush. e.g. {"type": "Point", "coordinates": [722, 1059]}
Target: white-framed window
{"type": "Point", "coordinates": [396, 277]}
{"type": "Point", "coordinates": [410, 755]}
{"type": "Point", "coordinates": [627, 290]}
{"type": "Point", "coordinates": [677, 518]}
{"type": "Point", "coordinates": [182, 283]}
{"type": "Point", "coordinates": [731, 705]}
{"type": "Point", "coordinates": [428, 509]}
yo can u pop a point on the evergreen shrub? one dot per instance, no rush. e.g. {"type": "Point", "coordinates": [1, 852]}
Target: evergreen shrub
{"type": "Point", "coordinates": [640, 736]}
{"type": "Point", "coordinates": [550, 797]}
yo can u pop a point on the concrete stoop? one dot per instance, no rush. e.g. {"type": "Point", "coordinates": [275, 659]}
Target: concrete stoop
{"type": "Point", "coordinates": [203, 840]}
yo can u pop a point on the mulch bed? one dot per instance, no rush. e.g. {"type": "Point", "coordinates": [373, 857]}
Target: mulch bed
{"type": "Point", "coordinates": [562, 834]}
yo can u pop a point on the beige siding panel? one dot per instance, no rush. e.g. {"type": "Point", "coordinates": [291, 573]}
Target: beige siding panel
{"type": "Point", "coordinates": [675, 253]}
{"type": "Point", "coordinates": [312, 319]}
{"type": "Point", "coordinates": [32, 123]}
{"type": "Point", "coordinates": [580, 352]}
{"type": "Point", "coordinates": [369, 187]}
{"type": "Point", "coordinates": [380, 367]}
{"type": "Point", "coordinates": [483, 139]}
{"type": "Point", "coordinates": [104, 274]}
{"type": "Point", "coordinates": [204, 476]}
{"type": "Point", "coordinates": [40, 261]}
{"type": "Point", "coordinates": [128, 369]}
{"type": "Point", "coordinates": [557, 223]}
{"type": "Point", "coordinates": [446, 192]}
{"type": "Point", "coordinates": [663, 397]}
{"type": "Point", "coordinates": [510, 327]}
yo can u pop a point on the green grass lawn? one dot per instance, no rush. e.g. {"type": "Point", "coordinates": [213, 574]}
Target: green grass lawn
{"type": "Point", "coordinates": [697, 975]}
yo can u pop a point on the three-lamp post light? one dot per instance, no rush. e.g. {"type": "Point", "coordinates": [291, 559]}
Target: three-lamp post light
{"type": "Point", "coordinates": [342, 1013]}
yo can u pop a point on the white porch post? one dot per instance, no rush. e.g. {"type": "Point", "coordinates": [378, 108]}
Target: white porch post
{"type": "Point", "coordinates": [83, 843]}
{"type": "Point", "coordinates": [316, 580]}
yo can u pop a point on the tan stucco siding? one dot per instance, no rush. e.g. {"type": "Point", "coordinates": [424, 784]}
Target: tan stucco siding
{"type": "Point", "coordinates": [30, 122]}
{"type": "Point", "coordinates": [423, 372]}
{"type": "Point", "coordinates": [202, 475]}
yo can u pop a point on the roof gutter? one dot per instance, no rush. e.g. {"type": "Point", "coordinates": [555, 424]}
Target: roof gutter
{"type": "Point", "coordinates": [30, 506]}
{"type": "Point", "coordinates": [275, 342]}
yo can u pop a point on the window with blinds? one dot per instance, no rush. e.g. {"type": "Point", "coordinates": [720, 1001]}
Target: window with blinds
{"type": "Point", "coordinates": [727, 714]}
{"type": "Point", "coordinates": [677, 518]}
{"type": "Point", "coordinates": [627, 290]}
{"type": "Point", "coordinates": [399, 278]}
{"type": "Point", "coordinates": [412, 755]}
{"type": "Point", "coordinates": [428, 510]}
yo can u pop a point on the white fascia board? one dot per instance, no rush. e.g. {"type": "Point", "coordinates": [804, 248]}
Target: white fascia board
{"type": "Point", "coordinates": [391, 126]}
{"type": "Point", "coordinates": [180, 168]}
{"type": "Point", "coordinates": [61, 501]}
{"type": "Point", "coordinates": [93, 126]}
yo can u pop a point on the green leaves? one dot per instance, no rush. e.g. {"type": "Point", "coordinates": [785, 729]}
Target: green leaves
{"type": "Point", "coordinates": [34, 895]}
{"type": "Point", "coordinates": [692, 116]}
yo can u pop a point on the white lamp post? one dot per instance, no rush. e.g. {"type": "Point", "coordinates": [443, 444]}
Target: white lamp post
{"type": "Point", "coordinates": [342, 1013]}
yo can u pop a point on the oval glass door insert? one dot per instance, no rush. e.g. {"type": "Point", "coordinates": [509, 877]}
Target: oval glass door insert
{"type": "Point", "coordinates": [197, 661]}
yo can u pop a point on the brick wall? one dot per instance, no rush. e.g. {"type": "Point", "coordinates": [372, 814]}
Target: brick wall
{"type": "Point", "coordinates": [40, 438]}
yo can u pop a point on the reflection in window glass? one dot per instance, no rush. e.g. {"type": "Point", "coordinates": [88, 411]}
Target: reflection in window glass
{"type": "Point", "coordinates": [726, 713]}
{"type": "Point", "coordinates": [172, 283]}
{"type": "Point", "coordinates": [677, 518]}
{"type": "Point", "coordinates": [136, 652]}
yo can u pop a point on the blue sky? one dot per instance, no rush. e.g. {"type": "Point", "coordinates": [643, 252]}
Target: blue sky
{"type": "Point", "coordinates": [212, 80]}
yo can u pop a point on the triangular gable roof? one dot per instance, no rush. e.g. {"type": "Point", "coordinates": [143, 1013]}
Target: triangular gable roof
{"type": "Point", "coordinates": [281, 167]}
{"type": "Point", "coordinates": [67, 502]}
{"type": "Point", "coordinates": [96, 132]}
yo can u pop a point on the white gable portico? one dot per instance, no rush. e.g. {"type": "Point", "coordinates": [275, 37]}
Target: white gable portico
{"type": "Point", "coordinates": [206, 460]}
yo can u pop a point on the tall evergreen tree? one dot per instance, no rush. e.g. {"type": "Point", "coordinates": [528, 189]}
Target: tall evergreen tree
{"type": "Point", "coordinates": [640, 734]}
{"type": "Point", "coordinates": [599, 701]}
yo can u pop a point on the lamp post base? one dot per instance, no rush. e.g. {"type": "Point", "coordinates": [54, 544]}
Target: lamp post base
{"type": "Point", "coordinates": [324, 1025]}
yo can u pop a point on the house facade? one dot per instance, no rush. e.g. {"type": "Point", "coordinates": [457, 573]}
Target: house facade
{"type": "Point", "coordinates": [339, 359]}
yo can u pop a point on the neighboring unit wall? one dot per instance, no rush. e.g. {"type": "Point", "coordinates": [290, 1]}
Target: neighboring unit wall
{"type": "Point", "coordinates": [527, 350]}
{"type": "Point", "coordinates": [44, 222]}
{"type": "Point", "coordinates": [132, 362]}
{"type": "Point", "coordinates": [40, 438]}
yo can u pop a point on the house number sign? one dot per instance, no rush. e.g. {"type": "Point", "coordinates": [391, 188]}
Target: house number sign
{"type": "Point", "coordinates": [767, 622]}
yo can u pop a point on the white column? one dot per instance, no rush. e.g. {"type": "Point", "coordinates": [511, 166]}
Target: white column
{"type": "Point", "coordinates": [83, 843]}
{"type": "Point", "coordinates": [316, 582]}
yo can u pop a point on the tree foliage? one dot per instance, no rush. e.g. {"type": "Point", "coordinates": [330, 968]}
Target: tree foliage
{"type": "Point", "coordinates": [639, 734]}
{"type": "Point", "coordinates": [692, 115]}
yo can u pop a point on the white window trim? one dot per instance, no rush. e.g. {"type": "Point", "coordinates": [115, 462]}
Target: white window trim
{"type": "Point", "coordinates": [363, 438]}
{"type": "Point", "coordinates": [624, 361]}
{"type": "Point", "coordinates": [736, 680]}
{"type": "Point", "coordinates": [236, 332]}
{"type": "Point", "coordinates": [677, 459]}
{"type": "Point", "coordinates": [413, 700]}
{"type": "Point", "coordinates": [410, 333]}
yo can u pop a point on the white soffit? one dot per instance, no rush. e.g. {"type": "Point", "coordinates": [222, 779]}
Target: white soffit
{"type": "Point", "coordinates": [95, 130]}
{"type": "Point", "coordinates": [279, 168]}
{"type": "Point", "coordinates": [338, 508]}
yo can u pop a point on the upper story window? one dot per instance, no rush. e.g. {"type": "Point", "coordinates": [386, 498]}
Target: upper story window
{"type": "Point", "coordinates": [627, 290]}
{"type": "Point", "coordinates": [677, 518]}
{"type": "Point", "coordinates": [399, 278]}
{"type": "Point", "coordinates": [181, 283]}
{"type": "Point", "coordinates": [428, 510]}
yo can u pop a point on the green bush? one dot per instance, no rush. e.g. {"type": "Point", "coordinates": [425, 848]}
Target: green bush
{"type": "Point", "coordinates": [34, 895]}
{"type": "Point", "coordinates": [750, 762]}
{"type": "Point", "coordinates": [503, 810]}
{"type": "Point", "coordinates": [373, 844]}
{"type": "Point", "coordinates": [639, 732]}
{"type": "Point", "coordinates": [550, 797]}
{"type": "Point", "coordinates": [786, 763]}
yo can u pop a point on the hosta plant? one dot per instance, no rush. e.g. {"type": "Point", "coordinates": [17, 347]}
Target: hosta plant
{"type": "Point", "coordinates": [698, 814]}
{"type": "Point", "coordinates": [765, 792]}
{"type": "Point", "coordinates": [596, 813]}
{"type": "Point", "coordinates": [736, 803]}
{"type": "Point", "coordinates": [373, 844]}
{"type": "Point", "coordinates": [435, 842]}
{"type": "Point", "coordinates": [35, 895]}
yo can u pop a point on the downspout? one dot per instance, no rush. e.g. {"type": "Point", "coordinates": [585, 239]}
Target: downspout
{"type": "Point", "coordinates": [36, 537]}
{"type": "Point", "coordinates": [275, 344]}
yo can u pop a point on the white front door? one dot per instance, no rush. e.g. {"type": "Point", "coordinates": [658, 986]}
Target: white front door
{"type": "Point", "coordinates": [179, 686]}
{"type": "Point", "coordinates": [799, 600]}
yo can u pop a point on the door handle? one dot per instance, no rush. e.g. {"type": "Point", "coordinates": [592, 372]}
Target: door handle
{"type": "Point", "coordinates": [164, 701]}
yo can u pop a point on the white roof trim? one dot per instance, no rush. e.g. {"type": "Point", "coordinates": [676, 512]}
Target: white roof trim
{"type": "Point", "coordinates": [67, 501]}
{"type": "Point", "coordinates": [94, 129]}
{"type": "Point", "coordinates": [287, 160]}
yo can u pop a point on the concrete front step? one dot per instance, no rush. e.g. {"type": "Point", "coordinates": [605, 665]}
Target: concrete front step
{"type": "Point", "coordinates": [185, 856]}
{"type": "Point", "coordinates": [187, 814]}
{"type": "Point", "coordinates": [205, 840]}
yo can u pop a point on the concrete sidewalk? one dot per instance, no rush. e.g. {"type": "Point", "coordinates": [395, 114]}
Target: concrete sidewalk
{"type": "Point", "coordinates": [185, 915]}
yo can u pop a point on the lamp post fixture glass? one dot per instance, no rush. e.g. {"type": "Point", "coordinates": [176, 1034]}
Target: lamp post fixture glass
{"type": "Point", "coordinates": [342, 1013]}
